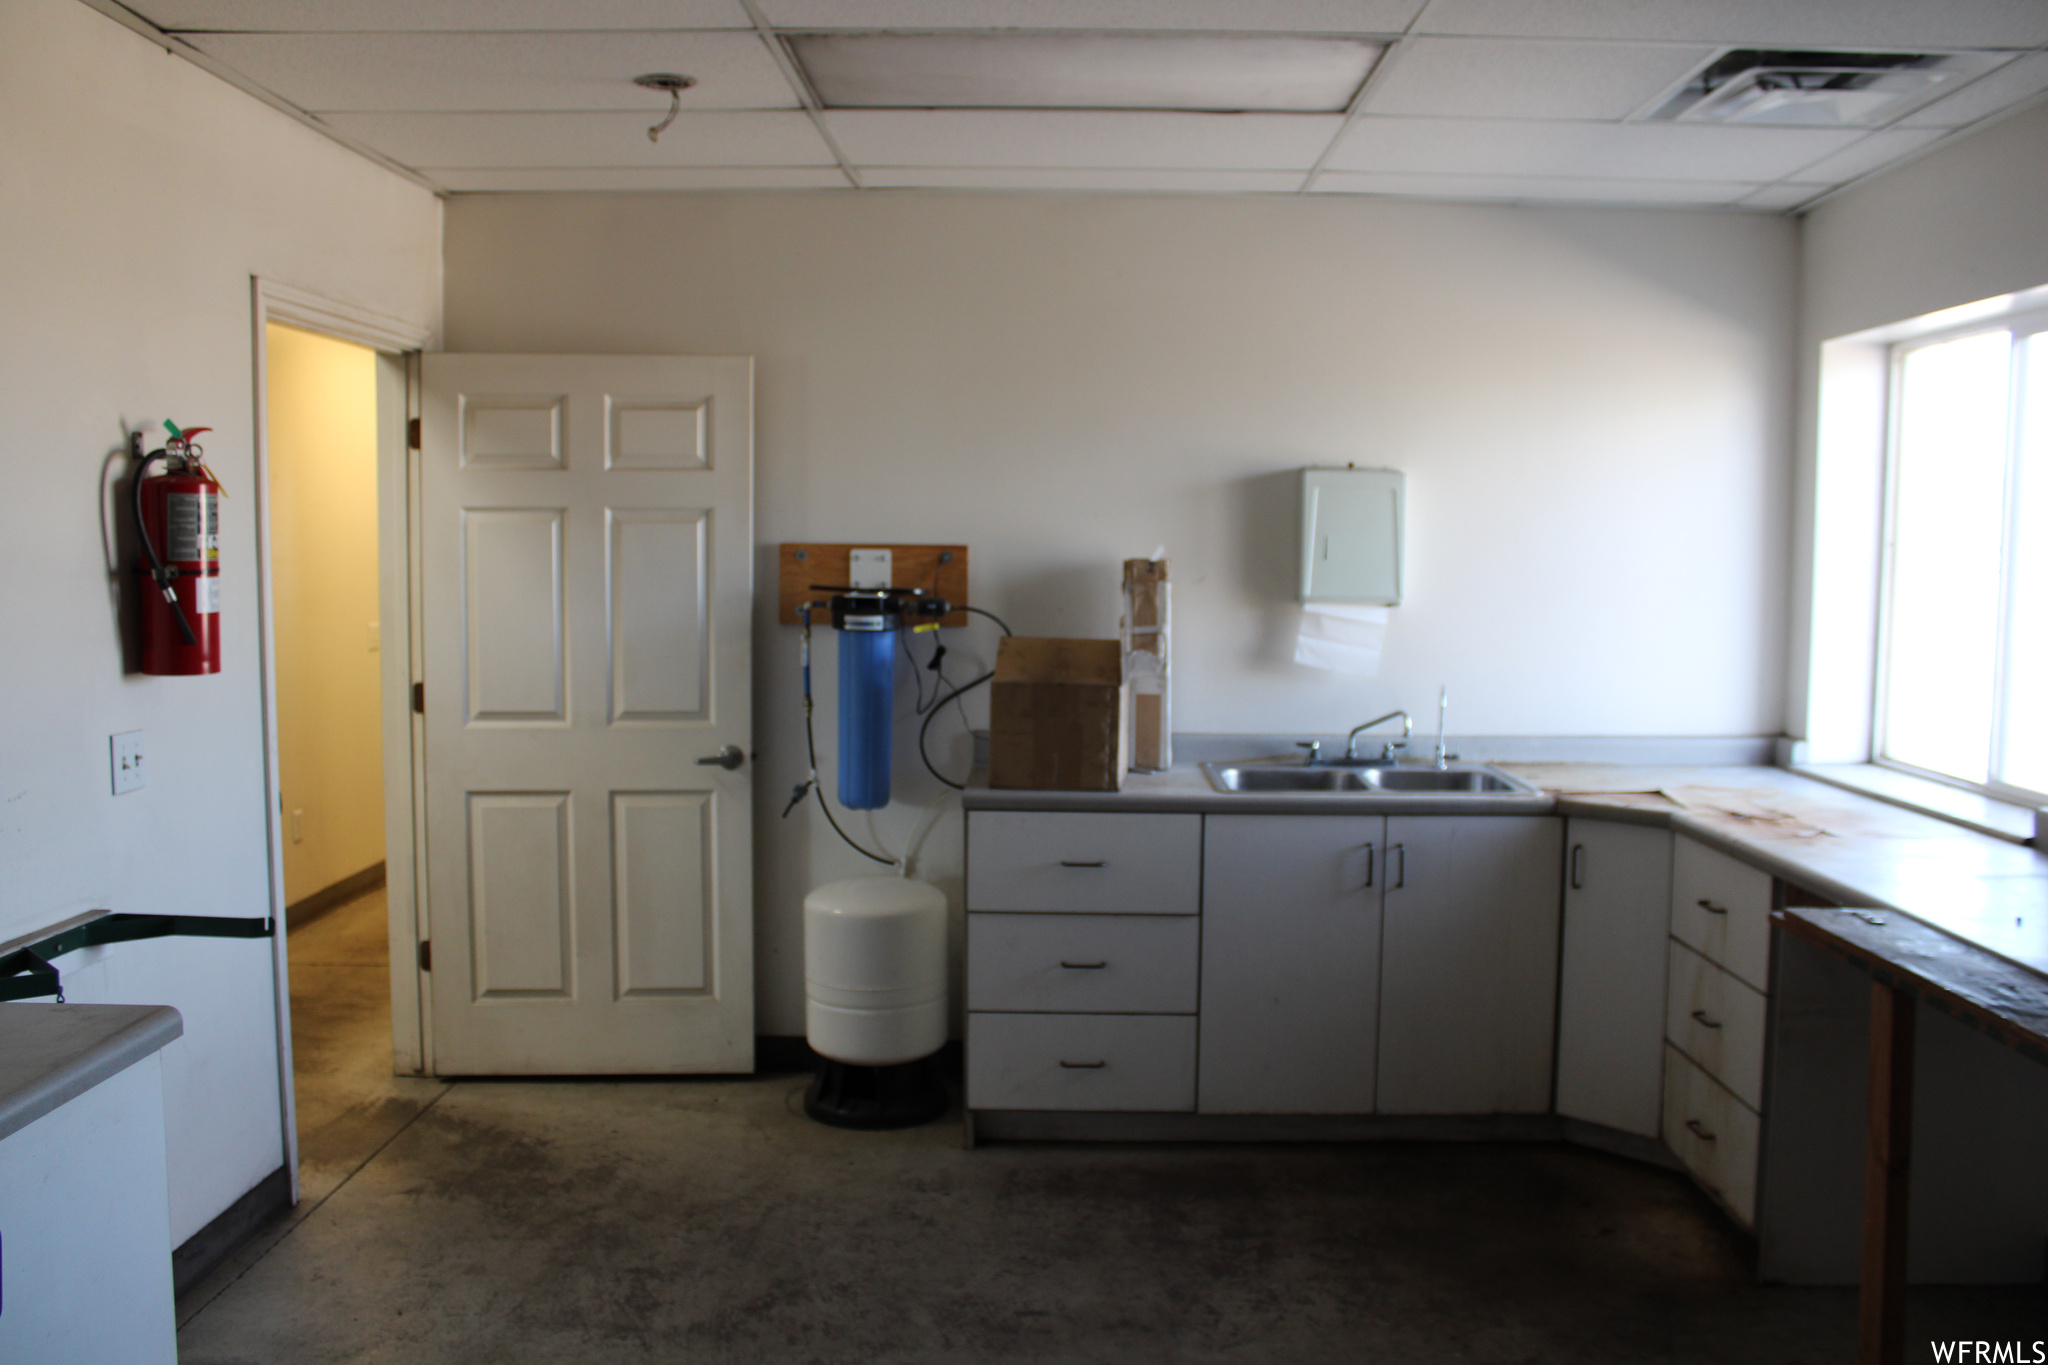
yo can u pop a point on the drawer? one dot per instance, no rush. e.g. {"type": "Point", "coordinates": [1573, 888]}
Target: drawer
{"type": "Point", "coordinates": [1718, 1021]}
{"type": "Point", "coordinates": [1085, 862]}
{"type": "Point", "coordinates": [1721, 908]}
{"type": "Point", "coordinates": [1084, 964]}
{"type": "Point", "coordinates": [1713, 1133]}
{"type": "Point", "coordinates": [1128, 1062]}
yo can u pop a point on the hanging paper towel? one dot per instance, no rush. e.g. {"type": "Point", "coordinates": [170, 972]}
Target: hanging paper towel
{"type": "Point", "coordinates": [1344, 638]}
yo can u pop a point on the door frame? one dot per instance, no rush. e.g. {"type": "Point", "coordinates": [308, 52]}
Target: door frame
{"type": "Point", "coordinates": [397, 342]}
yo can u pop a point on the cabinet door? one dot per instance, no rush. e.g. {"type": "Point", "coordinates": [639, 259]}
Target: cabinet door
{"type": "Point", "coordinates": [1290, 963]}
{"type": "Point", "coordinates": [1610, 1011]}
{"type": "Point", "coordinates": [1468, 984]}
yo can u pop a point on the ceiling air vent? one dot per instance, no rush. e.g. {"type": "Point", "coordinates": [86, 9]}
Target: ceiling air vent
{"type": "Point", "coordinates": [1818, 89]}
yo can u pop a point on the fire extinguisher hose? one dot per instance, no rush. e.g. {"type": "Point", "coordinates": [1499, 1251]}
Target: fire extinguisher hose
{"type": "Point", "coordinates": [157, 570]}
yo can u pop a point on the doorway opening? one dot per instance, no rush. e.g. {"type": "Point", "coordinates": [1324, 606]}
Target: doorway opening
{"type": "Point", "coordinates": [327, 639]}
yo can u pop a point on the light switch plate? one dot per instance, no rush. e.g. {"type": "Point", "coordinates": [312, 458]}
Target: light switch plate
{"type": "Point", "coordinates": [127, 760]}
{"type": "Point", "coordinates": [870, 568]}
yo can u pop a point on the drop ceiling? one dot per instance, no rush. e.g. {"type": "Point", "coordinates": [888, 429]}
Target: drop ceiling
{"type": "Point", "coordinates": [1487, 100]}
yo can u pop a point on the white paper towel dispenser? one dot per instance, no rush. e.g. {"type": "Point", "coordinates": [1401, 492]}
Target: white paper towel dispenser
{"type": "Point", "coordinates": [1351, 535]}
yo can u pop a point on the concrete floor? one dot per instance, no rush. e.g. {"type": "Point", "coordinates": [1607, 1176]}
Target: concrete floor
{"type": "Point", "coordinates": [709, 1221]}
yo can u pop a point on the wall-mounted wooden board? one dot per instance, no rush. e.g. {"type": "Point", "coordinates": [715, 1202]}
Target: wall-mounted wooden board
{"type": "Point", "coordinates": [939, 569]}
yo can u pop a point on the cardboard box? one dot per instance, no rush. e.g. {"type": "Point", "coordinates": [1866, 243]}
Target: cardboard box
{"type": "Point", "coordinates": [1147, 633]}
{"type": "Point", "coordinates": [1056, 715]}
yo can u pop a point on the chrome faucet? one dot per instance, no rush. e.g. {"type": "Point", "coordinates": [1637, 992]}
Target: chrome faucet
{"type": "Point", "coordinates": [1351, 740]}
{"type": "Point", "coordinates": [1443, 704]}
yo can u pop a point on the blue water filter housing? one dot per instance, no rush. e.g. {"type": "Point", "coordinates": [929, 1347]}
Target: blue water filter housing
{"type": "Point", "coordinates": [867, 701]}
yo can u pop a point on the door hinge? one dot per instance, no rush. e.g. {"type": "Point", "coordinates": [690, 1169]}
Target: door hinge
{"type": "Point", "coordinates": [426, 955]}
{"type": "Point", "coordinates": [419, 699]}
{"type": "Point", "coordinates": [412, 432]}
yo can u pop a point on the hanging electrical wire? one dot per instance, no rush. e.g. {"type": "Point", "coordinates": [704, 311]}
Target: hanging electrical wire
{"type": "Point", "coordinates": [953, 696]}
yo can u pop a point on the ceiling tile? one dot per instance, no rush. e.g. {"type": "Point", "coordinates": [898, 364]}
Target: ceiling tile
{"type": "Point", "coordinates": [1987, 95]}
{"type": "Point", "coordinates": [1842, 24]}
{"type": "Point", "coordinates": [1649, 151]}
{"type": "Point", "coordinates": [1270, 16]}
{"type": "Point", "coordinates": [599, 179]}
{"type": "Point", "coordinates": [1789, 195]}
{"type": "Point", "coordinates": [1538, 188]}
{"type": "Point", "coordinates": [416, 16]}
{"type": "Point", "coordinates": [479, 140]}
{"type": "Point", "coordinates": [1518, 78]}
{"type": "Point", "coordinates": [1875, 150]}
{"type": "Point", "coordinates": [1050, 139]}
{"type": "Point", "coordinates": [988, 178]}
{"type": "Point", "coordinates": [503, 71]}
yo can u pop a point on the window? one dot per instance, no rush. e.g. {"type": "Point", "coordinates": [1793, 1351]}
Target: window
{"type": "Point", "coordinates": [1963, 677]}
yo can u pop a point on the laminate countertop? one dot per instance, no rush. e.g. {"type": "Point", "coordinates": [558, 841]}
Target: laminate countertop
{"type": "Point", "coordinates": [1841, 846]}
{"type": "Point", "coordinates": [50, 1054]}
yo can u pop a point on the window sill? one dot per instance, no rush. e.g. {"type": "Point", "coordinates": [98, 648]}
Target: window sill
{"type": "Point", "coordinates": [1999, 819]}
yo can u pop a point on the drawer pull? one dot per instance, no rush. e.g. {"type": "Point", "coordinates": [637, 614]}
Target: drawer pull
{"type": "Point", "coordinates": [1083, 966]}
{"type": "Point", "coordinates": [1084, 1066]}
{"type": "Point", "coordinates": [1698, 1129]}
{"type": "Point", "coordinates": [1097, 863]}
{"type": "Point", "coordinates": [1712, 908]}
{"type": "Point", "coordinates": [1705, 1020]}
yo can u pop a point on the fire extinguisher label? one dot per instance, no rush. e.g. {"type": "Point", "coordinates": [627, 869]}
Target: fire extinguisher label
{"type": "Point", "coordinates": [192, 527]}
{"type": "Point", "coordinates": [206, 595]}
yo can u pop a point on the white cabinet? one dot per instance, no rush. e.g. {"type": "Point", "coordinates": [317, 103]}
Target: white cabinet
{"type": "Point", "coordinates": [1715, 1020]}
{"type": "Point", "coordinates": [1468, 973]}
{"type": "Point", "coordinates": [1290, 963]}
{"type": "Point", "coordinates": [1611, 975]}
{"type": "Point", "coordinates": [1082, 948]}
{"type": "Point", "coordinates": [1347, 964]}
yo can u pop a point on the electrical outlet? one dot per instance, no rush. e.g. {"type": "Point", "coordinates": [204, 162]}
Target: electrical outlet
{"type": "Point", "coordinates": [298, 826]}
{"type": "Point", "coordinates": [375, 637]}
{"type": "Point", "coordinates": [127, 760]}
{"type": "Point", "coordinates": [870, 568]}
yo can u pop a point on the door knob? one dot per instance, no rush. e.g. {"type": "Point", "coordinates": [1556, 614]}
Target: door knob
{"type": "Point", "coordinates": [728, 758]}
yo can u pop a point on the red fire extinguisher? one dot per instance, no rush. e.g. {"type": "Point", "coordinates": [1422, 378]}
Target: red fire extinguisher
{"type": "Point", "coordinates": [177, 519]}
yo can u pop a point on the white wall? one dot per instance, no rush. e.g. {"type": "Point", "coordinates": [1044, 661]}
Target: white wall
{"type": "Point", "coordinates": [1962, 224]}
{"type": "Point", "coordinates": [1592, 408]}
{"type": "Point", "coordinates": [323, 573]}
{"type": "Point", "coordinates": [138, 196]}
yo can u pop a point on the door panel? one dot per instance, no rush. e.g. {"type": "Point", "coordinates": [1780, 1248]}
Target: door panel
{"type": "Point", "coordinates": [1468, 989]}
{"type": "Point", "coordinates": [655, 564]}
{"type": "Point", "coordinates": [520, 893]}
{"type": "Point", "coordinates": [665, 849]}
{"type": "Point", "coordinates": [1610, 1017]}
{"type": "Point", "coordinates": [586, 532]}
{"type": "Point", "coordinates": [512, 614]}
{"type": "Point", "coordinates": [1290, 963]}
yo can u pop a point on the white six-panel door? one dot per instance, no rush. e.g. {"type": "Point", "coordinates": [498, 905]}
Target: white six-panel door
{"type": "Point", "coordinates": [586, 545]}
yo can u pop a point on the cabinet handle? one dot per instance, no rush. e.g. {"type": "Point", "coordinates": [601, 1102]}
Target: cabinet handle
{"type": "Point", "coordinates": [1097, 863]}
{"type": "Point", "coordinates": [1698, 1129]}
{"type": "Point", "coordinates": [1401, 868]}
{"type": "Point", "coordinates": [1712, 908]}
{"type": "Point", "coordinates": [1705, 1021]}
{"type": "Point", "coordinates": [1576, 884]}
{"type": "Point", "coordinates": [1369, 870]}
{"type": "Point", "coordinates": [1094, 966]}
{"type": "Point", "coordinates": [1084, 1066]}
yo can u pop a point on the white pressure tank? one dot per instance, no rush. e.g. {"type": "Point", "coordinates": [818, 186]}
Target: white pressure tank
{"type": "Point", "coordinates": [875, 970]}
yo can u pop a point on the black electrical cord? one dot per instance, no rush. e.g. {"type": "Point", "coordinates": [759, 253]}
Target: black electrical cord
{"type": "Point", "coordinates": [916, 680]}
{"type": "Point", "coordinates": [157, 570]}
{"type": "Point", "coordinates": [954, 695]}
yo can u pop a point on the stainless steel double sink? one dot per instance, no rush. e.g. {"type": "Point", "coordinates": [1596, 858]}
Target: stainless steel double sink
{"type": "Point", "coordinates": [1365, 779]}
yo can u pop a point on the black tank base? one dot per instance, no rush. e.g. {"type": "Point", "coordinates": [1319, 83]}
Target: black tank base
{"type": "Point", "coordinates": [877, 1097]}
